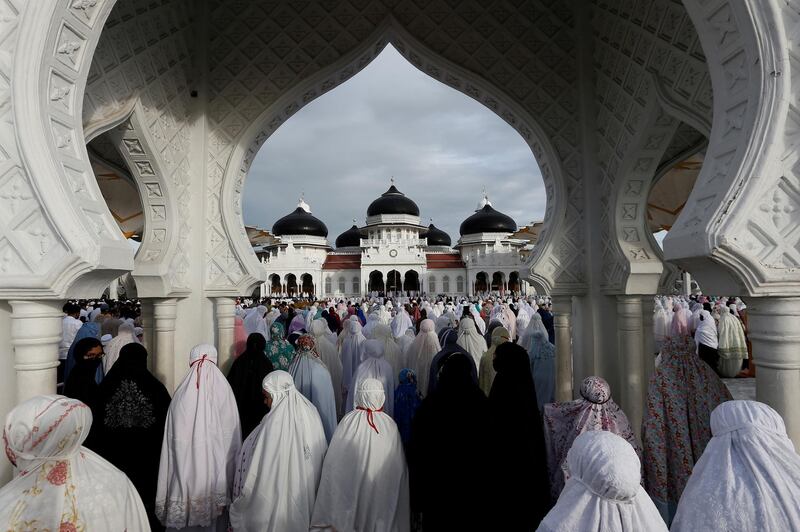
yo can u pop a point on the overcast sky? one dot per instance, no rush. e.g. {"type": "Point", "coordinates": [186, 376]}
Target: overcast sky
{"type": "Point", "coordinates": [440, 145]}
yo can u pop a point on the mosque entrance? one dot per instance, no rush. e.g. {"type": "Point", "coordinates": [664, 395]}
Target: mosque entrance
{"type": "Point", "coordinates": [481, 284]}
{"type": "Point", "coordinates": [291, 284]}
{"type": "Point", "coordinates": [394, 281]}
{"type": "Point", "coordinates": [411, 281]}
{"type": "Point", "coordinates": [275, 284]}
{"type": "Point", "coordinates": [513, 282]}
{"type": "Point", "coordinates": [376, 281]}
{"type": "Point", "coordinates": [307, 284]}
{"type": "Point", "coordinates": [498, 280]}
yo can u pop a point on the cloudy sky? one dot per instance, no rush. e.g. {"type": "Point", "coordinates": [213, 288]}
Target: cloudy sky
{"type": "Point", "coordinates": [440, 145]}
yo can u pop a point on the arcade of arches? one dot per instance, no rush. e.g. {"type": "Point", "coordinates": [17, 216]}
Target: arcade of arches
{"type": "Point", "coordinates": [607, 94]}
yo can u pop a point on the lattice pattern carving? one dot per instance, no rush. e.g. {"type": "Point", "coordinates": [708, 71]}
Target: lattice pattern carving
{"type": "Point", "coordinates": [29, 245]}
{"type": "Point", "coordinates": [635, 43]}
{"type": "Point", "coordinates": [144, 54]}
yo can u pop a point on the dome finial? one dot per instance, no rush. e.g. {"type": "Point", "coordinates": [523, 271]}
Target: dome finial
{"type": "Point", "coordinates": [391, 180]}
{"type": "Point", "coordinates": [354, 222]}
{"type": "Point", "coordinates": [484, 200]}
{"type": "Point", "coordinates": [302, 203]}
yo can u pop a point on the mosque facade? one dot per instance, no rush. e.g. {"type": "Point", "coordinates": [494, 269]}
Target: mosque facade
{"type": "Point", "coordinates": [393, 252]}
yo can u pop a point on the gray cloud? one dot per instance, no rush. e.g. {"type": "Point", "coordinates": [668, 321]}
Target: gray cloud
{"type": "Point", "coordinates": [441, 146]}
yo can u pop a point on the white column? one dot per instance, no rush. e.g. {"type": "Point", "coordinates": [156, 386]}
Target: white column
{"type": "Point", "coordinates": [648, 341]}
{"type": "Point", "coordinates": [630, 341]}
{"type": "Point", "coordinates": [149, 332]}
{"type": "Point", "coordinates": [775, 335]}
{"type": "Point", "coordinates": [164, 314]}
{"type": "Point", "coordinates": [562, 321]}
{"type": "Point", "coordinates": [687, 284]}
{"type": "Point", "coordinates": [113, 289]}
{"type": "Point", "coordinates": [224, 308]}
{"type": "Point", "coordinates": [35, 335]}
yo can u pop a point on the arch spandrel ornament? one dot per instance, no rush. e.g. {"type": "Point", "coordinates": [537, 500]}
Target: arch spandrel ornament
{"type": "Point", "coordinates": [230, 265]}
{"type": "Point", "coordinates": [737, 232]}
{"type": "Point", "coordinates": [69, 245]}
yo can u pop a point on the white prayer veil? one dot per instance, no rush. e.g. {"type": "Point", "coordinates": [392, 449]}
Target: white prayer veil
{"type": "Point", "coordinates": [421, 352]}
{"type": "Point", "coordinates": [329, 356]}
{"type": "Point", "coordinates": [283, 463]}
{"type": "Point", "coordinates": [255, 322]}
{"type": "Point", "coordinates": [748, 477]}
{"type": "Point", "coordinates": [364, 482]}
{"type": "Point", "coordinates": [125, 335]}
{"type": "Point", "coordinates": [60, 485]}
{"type": "Point", "coordinates": [603, 491]}
{"type": "Point", "coordinates": [374, 366]}
{"type": "Point", "coordinates": [401, 322]}
{"type": "Point", "coordinates": [391, 351]}
{"type": "Point", "coordinates": [706, 332]}
{"type": "Point", "coordinates": [470, 340]}
{"type": "Point", "coordinates": [202, 437]}
{"type": "Point", "coordinates": [352, 352]}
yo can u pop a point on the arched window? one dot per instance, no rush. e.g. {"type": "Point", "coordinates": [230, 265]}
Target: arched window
{"type": "Point", "coordinates": [356, 285]}
{"type": "Point", "coordinates": [460, 284]}
{"type": "Point", "coordinates": [341, 285]}
{"type": "Point", "coordinates": [432, 284]}
{"type": "Point", "coordinates": [328, 287]}
{"type": "Point", "coordinates": [446, 284]}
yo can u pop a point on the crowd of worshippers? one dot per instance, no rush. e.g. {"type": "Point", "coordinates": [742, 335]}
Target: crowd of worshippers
{"type": "Point", "coordinates": [392, 416]}
{"type": "Point", "coordinates": [719, 328]}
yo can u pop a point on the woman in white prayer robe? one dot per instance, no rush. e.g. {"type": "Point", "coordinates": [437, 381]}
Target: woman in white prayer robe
{"type": "Point", "coordinates": [126, 335]}
{"type": "Point", "coordinates": [471, 340]}
{"type": "Point", "coordinates": [374, 366]}
{"type": "Point", "coordinates": [404, 342]}
{"type": "Point", "coordinates": [748, 477]}
{"type": "Point", "coordinates": [391, 352]}
{"type": "Point", "coordinates": [732, 343]}
{"type": "Point", "coordinates": [202, 437]}
{"type": "Point", "coordinates": [364, 482]}
{"type": "Point", "coordinates": [421, 352]}
{"type": "Point", "coordinates": [313, 380]}
{"type": "Point", "coordinates": [281, 462]}
{"type": "Point", "coordinates": [330, 357]}
{"type": "Point", "coordinates": [603, 491]}
{"type": "Point", "coordinates": [401, 322]}
{"type": "Point", "coordinates": [255, 322]}
{"type": "Point", "coordinates": [372, 321]}
{"type": "Point", "coordinates": [59, 485]}
{"type": "Point", "coordinates": [352, 353]}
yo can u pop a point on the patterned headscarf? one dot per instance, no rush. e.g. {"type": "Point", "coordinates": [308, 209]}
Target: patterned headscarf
{"type": "Point", "coordinates": [279, 351]}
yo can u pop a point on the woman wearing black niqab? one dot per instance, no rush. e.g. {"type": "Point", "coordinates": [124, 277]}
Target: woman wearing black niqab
{"type": "Point", "coordinates": [82, 381]}
{"type": "Point", "coordinates": [520, 472]}
{"type": "Point", "coordinates": [245, 377]}
{"type": "Point", "coordinates": [131, 412]}
{"type": "Point", "coordinates": [446, 488]}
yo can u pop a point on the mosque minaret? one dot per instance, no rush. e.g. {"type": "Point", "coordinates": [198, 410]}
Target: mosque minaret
{"type": "Point", "coordinates": [393, 253]}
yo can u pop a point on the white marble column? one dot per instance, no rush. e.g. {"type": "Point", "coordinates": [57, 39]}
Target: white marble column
{"type": "Point", "coordinates": [113, 290]}
{"type": "Point", "coordinates": [631, 343]}
{"type": "Point", "coordinates": [648, 341]}
{"type": "Point", "coordinates": [164, 314]}
{"type": "Point", "coordinates": [224, 308]}
{"type": "Point", "coordinates": [149, 332]}
{"type": "Point", "coordinates": [687, 284]}
{"type": "Point", "coordinates": [562, 321]}
{"type": "Point", "coordinates": [35, 335]}
{"type": "Point", "coordinates": [775, 332]}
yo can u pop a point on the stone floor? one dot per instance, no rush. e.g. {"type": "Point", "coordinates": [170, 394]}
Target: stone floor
{"type": "Point", "coordinates": [742, 388]}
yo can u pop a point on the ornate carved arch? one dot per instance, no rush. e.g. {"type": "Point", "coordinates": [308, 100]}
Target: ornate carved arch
{"type": "Point", "coordinates": [545, 267]}
{"type": "Point", "coordinates": [750, 168]}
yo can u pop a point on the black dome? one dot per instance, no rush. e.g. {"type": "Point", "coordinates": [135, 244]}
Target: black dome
{"type": "Point", "coordinates": [350, 238]}
{"type": "Point", "coordinates": [436, 237]}
{"type": "Point", "coordinates": [300, 222]}
{"type": "Point", "coordinates": [487, 220]}
{"type": "Point", "coordinates": [393, 202]}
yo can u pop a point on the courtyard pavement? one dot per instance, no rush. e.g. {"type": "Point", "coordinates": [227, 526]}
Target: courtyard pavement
{"type": "Point", "coordinates": [742, 388]}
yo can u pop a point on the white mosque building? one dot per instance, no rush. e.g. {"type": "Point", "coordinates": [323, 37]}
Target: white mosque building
{"type": "Point", "coordinates": [393, 253]}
